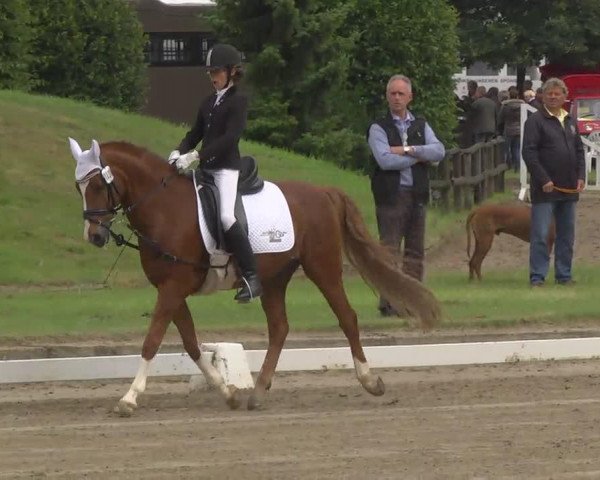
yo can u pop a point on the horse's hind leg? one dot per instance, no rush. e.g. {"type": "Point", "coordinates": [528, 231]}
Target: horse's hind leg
{"type": "Point", "coordinates": [273, 304]}
{"type": "Point", "coordinates": [483, 243]}
{"type": "Point", "coordinates": [185, 325]}
{"type": "Point", "coordinates": [328, 277]}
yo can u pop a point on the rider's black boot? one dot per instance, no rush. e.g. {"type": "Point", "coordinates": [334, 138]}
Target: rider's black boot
{"type": "Point", "coordinates": [238, 243]}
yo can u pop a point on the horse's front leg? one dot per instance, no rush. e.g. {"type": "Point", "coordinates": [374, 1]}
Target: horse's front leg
{"type": "Point", "coordinates": [185, 325]}
{"type": "Point", "coordinates": [167, 304]}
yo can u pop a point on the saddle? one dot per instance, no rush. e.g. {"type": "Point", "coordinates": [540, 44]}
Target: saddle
{"type": "Point", "coordinates": [248, 183]}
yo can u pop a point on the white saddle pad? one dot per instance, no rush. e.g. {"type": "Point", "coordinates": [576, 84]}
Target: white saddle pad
{"type": "Point", "coordinates": [270, 227]}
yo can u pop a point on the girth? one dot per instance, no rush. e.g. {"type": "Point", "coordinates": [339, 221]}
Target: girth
{"type": "Point", "coordinates": [248, 183]}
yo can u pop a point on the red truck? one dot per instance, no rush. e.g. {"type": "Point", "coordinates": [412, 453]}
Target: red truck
{"type": "Point", "coordinates": [583, 101]}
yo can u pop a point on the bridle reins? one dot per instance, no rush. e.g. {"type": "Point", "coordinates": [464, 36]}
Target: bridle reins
{"type": "Point", "coordinates": [116, 207]}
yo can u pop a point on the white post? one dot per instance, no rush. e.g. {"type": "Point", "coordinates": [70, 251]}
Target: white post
{"type": "Point", "coordinates": [524, 192]}
{"type": "Point", "coordinates": [592, 156]}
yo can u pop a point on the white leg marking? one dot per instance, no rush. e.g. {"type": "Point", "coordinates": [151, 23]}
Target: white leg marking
{"type": "Point", "coordinates": [212, 375]}
{"type": "Point", "coordinates": [139, 383]}
{"type": "Point", "coordinates": [363, 371]}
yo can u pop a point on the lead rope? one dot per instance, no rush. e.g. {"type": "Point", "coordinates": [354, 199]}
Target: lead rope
{"type": "Point", "coordinates": [565, 190]}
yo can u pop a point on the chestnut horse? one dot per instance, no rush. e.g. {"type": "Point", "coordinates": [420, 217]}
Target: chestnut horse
{"type": "Point", "coordinates": [161, 210]}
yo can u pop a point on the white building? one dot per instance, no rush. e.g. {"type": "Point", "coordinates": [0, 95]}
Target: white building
{"type": "Point", "coordinates": [488, 77]}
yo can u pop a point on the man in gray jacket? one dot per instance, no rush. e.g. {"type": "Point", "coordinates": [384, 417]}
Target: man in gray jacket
{"type": "Point", "coordinates": [509, 126]}
{"type": "Point", "coordinates": [483, 117]}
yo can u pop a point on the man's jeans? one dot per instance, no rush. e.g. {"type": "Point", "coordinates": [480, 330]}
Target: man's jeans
{"type": "Point", "coordinates": [539, 258]}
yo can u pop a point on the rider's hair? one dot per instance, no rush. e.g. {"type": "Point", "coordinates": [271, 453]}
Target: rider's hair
{"type": "Point", "coordinates": [237, 73]}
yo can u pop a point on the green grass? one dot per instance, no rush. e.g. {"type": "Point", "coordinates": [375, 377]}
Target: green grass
{"type": "Point", "coordinates": [504, 299]}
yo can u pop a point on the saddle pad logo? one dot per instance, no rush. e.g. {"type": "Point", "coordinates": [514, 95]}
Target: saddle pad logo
{"type": "Point", "coordinates": [274, 235]}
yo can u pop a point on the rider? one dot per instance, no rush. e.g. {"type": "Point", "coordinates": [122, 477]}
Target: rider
{"type": "Point", "coordinates": [220, 122]}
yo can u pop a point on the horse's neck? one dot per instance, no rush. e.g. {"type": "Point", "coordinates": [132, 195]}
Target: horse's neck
{"type": "Point", "coordinates": [140, 176]}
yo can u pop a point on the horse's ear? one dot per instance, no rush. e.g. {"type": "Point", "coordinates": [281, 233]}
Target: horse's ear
{"type": "Point", "coordinates": [96, 149]}
{"type": "Point", "coordinates": [75, 149]}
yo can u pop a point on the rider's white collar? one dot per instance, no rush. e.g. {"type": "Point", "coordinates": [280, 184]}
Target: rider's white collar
{"type": "Point", "coordinates": [221, 92]}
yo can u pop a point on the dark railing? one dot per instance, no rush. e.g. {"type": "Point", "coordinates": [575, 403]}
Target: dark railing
{"type": "Point", "coordinates": [468, 176]}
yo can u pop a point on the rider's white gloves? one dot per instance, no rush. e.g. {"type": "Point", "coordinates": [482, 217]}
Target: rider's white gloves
{"type": "Point", "coordinates": [173, 156]}
{"type": "Point", "coordinates": [187, 162]}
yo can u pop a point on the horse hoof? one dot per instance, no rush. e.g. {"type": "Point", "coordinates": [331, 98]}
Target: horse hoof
{"type": "Point", "coordinates": [124, 409]}
{"type": "Point", "coordinates": [375, 388]}
{"type": "Point", "coordinates": [234, 401]}
{"type": "Point", "coordinates": [253, 402]}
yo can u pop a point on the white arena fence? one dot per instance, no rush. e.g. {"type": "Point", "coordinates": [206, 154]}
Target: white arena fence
{"type": "Point", "coordinates": [236, 364]}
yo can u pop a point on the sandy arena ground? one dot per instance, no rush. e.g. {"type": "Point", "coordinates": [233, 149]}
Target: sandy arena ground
{"type": "Point", "coordinates": [523, 420]}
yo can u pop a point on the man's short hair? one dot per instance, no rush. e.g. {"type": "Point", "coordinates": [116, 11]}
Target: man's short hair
{"type": "Point", "coordinates": [404, 78]}
{"type": "Point", "coordinates": [528, 94]}
{"type": "Point", "coordinates": [555, 83]}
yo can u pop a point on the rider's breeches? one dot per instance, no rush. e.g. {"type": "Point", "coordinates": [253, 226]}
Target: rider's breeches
{"type": "Point", "coordinates": [226, 182]}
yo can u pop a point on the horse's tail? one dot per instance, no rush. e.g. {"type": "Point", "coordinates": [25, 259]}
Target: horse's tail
{"type": "Point", "coordinates": [469, 232]}
{"type": "Point", "coordinates": [379, 267]}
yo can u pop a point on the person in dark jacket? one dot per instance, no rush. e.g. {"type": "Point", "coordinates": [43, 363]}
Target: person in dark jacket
{"type": "Point", "coordinates": [509, 126]}
{"type": "Point", "coordinates": [554, 155]}
{"type": "Point", "coordinates": [219, 124]}
{"type": "Point", "coordinates": [482, 116]}
{"type": "Point", "coordinates": [403, 147]}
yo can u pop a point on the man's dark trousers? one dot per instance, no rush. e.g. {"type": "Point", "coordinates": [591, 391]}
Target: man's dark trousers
{"type": "Point", "coordinates": [403, 221]}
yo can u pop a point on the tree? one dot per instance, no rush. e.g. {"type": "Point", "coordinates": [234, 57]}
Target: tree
{"type": "Point", "coordinates": [297, 69]}
{"type": "Point", "coordinates": [89, 50]}
{"type": "Point", "coordinates": [501, 31]}
{"type": "Point", "coordinates": [417, 39]}
{"type": "Point", "coordinates": [15, 38]}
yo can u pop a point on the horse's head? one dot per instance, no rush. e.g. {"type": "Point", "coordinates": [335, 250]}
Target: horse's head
{"type": "Point", "coordinates": [95, 183]}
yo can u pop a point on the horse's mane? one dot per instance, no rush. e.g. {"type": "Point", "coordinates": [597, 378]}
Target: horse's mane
{"type": "Point", "coordinates": [131, 152]}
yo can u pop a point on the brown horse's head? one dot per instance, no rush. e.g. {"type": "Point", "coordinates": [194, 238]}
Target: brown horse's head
{"type": "Point", "coordinates": [95, 183]}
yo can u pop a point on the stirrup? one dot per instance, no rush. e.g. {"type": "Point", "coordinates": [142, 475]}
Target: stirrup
{"type": "Point", "coordinates": [250, 290]}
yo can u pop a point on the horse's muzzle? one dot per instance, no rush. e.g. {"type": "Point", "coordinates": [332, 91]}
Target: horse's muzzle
{"type": "Point", "coordinates": [100, 237]}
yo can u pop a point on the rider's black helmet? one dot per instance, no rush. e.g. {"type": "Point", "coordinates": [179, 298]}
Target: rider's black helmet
{"type": "Point", "coordinates": [223, 55]}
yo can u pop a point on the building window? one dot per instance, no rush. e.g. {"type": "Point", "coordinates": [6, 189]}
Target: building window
{"type": "Point", "coordinates": [178, 49]}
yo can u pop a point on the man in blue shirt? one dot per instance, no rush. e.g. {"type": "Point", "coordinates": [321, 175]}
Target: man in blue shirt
{"type": "Point", "coordinates": [403, 147]}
